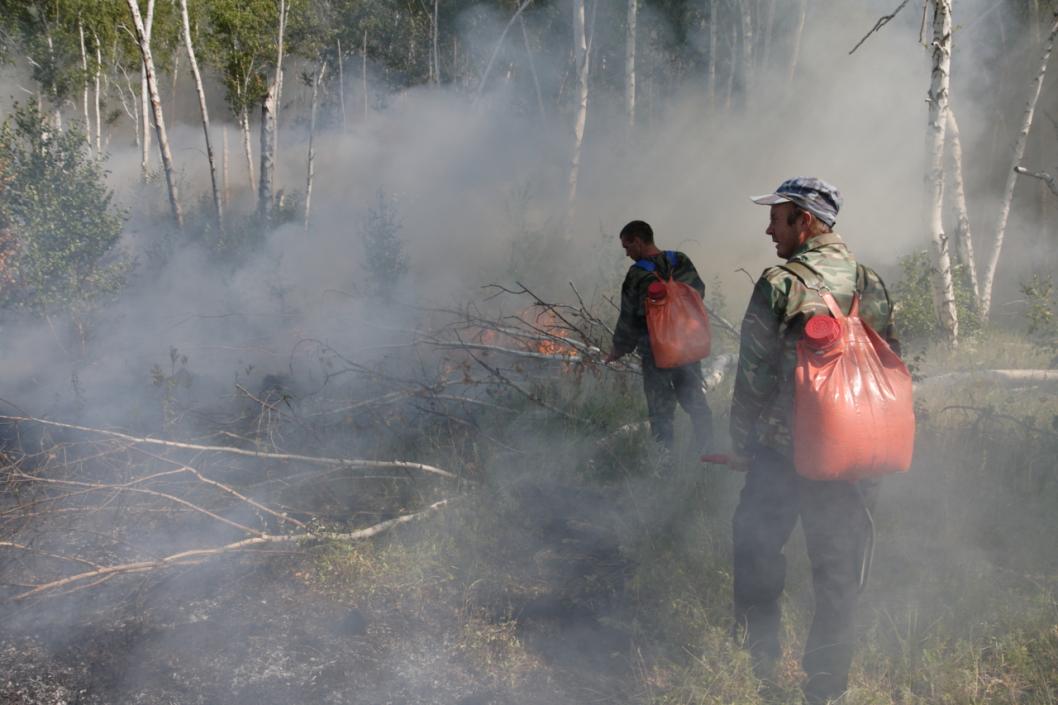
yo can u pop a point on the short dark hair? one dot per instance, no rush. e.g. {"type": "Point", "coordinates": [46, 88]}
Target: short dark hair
{"type": "Point", "coordinates": [818, 226]}
{"type": "Point", "coordinates": [638, 229]}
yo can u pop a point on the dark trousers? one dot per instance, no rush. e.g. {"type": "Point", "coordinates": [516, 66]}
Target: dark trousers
{"type": "Point", "coordinates": [665, 387]}
{"type": "Point", "coordinates": [836, 526]}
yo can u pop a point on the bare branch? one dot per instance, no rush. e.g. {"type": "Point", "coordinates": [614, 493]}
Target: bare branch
{"type": "Point", "coordinates": [1051, 182]}
{"type": "Point", "coordinates": [883, 21]}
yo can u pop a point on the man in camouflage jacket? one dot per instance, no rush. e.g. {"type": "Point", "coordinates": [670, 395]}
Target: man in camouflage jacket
{"type": "Point", "coordinates": [663, 387]}
{"type": "Point", "coordinates": [834, 515]}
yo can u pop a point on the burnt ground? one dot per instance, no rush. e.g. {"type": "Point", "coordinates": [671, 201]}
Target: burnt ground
{"type": "Point", "coordinates": [540, 615]}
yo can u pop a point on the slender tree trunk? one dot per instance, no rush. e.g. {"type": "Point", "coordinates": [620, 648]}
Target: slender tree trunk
{"type": "Point", "coordinates": [710, 69]}
{"type": "Point", "coordinates": [580, 56]}
{"type": "Point", "coordinates": [218, 203]}
{"type": "Point", "coordinates": [499, 43]}
{"type": "Point", "coordinates": [766, 36]}
{"type": "Point", "coordinates": [173, 84]}
{"type": "Point", "coordinates": [796, 54]}
{"type": "Point", "coordinates": [729, 91]}
{"type": "Point", "coordinates": [225, 168]}
{"type": "Point", "coordinates": [745, 63]}
{"type": "Point", "coordinates": [435, 56]}
{"type": "Point", "coordinates": [84, 80]}
{"type": "Point", "coordinates": [247, 146]}
{"type": "Point", "coordinates": [532, 67]}
{"type": "Point", "coordinates": [284, 8]}
{"type": "Point", "coordinates": [265, 185]}
{"type": "Point", "coordinates": [99, 121]}
{"type": "Point", "coordinates": [964, 236]}
{"type": "Point", "coordinates": [1012, 176]}
{"type": "Point", "coordinates": [341, 84]}
{"type": "Point", "coordinates": [363, 73]}
{"type": "Point", "coordinates": [156, 109]}
{"type": "Point", "coordinates": [145, 107]}
{"type": "Point", "coordinates": [938, 120]}
{"type": "Point", "coordinates": [630, 66]}
{"type": "Point", "coordinates": [312, 135]}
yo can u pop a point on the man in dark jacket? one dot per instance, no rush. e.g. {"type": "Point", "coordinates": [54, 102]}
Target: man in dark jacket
{"type": "Point", "coordinates": [663, 387]}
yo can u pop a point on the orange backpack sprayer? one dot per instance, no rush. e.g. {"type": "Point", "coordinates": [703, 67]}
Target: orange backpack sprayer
{"type": "Point", "coordinates": [677, 321]}
{"type": "Point", "coordinates": [853, 408]}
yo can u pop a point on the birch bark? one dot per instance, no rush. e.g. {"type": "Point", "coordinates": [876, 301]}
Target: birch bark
{"type": "Point", "coordinates": [938, 120]}
{"type": "Point", "coordinates": [156, 109]}
{"type": "Point", "coordinates": [580, 55]}
{"type": "Point", "coordinates": [145, 101]}
{"type": "Point", "coordinates": [310, 171]}
{"type": "Point", "coordinates": [1012, 176]}
{"type": "Point", "coordinates": [217, 202]}
{"type": "Point", "coordinates": [84, 80]}
{"type": "Point", "coordinates": [964, 236]}
{"type": "Point", "coordinates": [630, 66]}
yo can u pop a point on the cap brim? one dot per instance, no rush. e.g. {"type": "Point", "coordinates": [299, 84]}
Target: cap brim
{"type": "Point", "coordinates": [769, 199]}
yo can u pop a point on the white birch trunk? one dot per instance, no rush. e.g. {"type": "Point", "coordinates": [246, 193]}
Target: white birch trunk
{"type": "Point", "coordinates": [746, 60]}
{"type": "Point", "coordinates": [710, 70]}
{"type": "Point", "coordinates": [1012, 177]}
{"type": "Point", "coordinates": [499, 43]}
{"type": "Point", "coordinates": [964, 236]}
{"type": "Point", "coordinates": [796, 54]}
{"type": "Point", "coordinates": [284, 8]}
{"type": "Point", "coordinates": [145, 100]}
{"type": "Point", "coordinates": [341, 84]}
{"type": "Point", "coordinates": [225, 167]}
{"type": "Point", "coordinates": [99, 121]}
{"type": "Point", "coordinates": [435, 57]}
{"type": "Point", "coordinates": [363, 73]}
{"type": "Point", "coordinates": [218, 204]}
{"type": "Point", "coordinates": [630, 65]}
{"type": "Point", "coordinates": [247, 147]}
{"type": "Point", "coordinates": [265, 184]}
{"type": "Point", "coordinates": [938, 120]}
{"type": "Point", "coordinates": [156, 109]}
{"type": "Point", "coordinates": [84, 80]}
{"type": "Point", "coordinates": [532, 67]}
{"type": "Point", "coordinates": [310, 171]}
{"type": "Point", "coordinates": [580, 56]}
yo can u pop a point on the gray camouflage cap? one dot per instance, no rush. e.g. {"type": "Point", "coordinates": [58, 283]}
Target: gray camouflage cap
{"type": "Point", "coordinates": [814, 195]}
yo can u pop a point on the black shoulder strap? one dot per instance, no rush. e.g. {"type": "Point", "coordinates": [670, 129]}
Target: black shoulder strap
{"type": "Point", "coordinates": [807, 276]}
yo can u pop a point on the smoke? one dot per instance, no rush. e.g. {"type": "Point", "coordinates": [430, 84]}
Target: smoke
{"type": "Point", "coordinates": [478, 189]}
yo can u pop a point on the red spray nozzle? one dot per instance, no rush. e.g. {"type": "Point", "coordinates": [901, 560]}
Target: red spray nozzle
{"type": "Point", "coordinates": [716, 458]}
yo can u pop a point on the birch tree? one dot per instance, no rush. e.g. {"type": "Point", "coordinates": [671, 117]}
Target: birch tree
{"type": "Point", "coordinates": [218, 204]}
{"type": "Point", "coordinates": [580, 58]}
{"type": "Point", "coordinates": [630, 65]}
{"type": "Point", "coordinates": [938, 120]}
{"type": "Point", "coordinates": [963, 234]}
{"type": "Point", "coordinates": [1012, 176]}
{"type": "Point", "coordinates": [156, 109]}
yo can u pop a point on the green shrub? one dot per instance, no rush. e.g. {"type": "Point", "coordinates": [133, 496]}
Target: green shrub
{"type": "Point", "coordinates": [59, 224]}
{"type": "Point", "coordinates": [916, 314]}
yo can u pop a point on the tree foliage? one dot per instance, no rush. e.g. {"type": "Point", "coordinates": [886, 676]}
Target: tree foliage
{"type": "Point", "coordinates": [61, 226]}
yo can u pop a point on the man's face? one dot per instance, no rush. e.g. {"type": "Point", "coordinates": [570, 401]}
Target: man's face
{"type": "Point", "coordinates": [787, 238]}
{"type": "Point", "coordinates": [633, 247]}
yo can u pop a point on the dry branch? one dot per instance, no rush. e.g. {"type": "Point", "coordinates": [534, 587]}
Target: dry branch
{"type": "Point", "coordinates": [883, 21]}
{"type": "Point", "coordinates": [1006, 378]}
{"type": "Point", "coordinates": [1051, 182]}
{"type": "Point", "coordinates": [196, 555]}
{"type": "Point", "coordinates": [318, 460]}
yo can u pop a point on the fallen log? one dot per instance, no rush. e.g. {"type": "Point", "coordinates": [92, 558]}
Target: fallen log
{"type": "Point", "coordinates": [1005, 378]}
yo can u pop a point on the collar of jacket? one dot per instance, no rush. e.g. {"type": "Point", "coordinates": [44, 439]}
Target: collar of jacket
{"type": "Point", "coordinates": [818, 242]}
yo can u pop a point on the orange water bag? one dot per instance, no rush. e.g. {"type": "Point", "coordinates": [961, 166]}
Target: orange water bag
{"type": "Point", "coordinates": [853, 409]}
{"type": "Point", "coordinates": [677, 323]}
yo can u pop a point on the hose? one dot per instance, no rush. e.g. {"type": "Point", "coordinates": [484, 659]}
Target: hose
{"type": "Point", "coordinates": [868, 552]}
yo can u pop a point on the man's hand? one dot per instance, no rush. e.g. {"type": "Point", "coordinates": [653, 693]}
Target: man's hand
{"type": "Point", "coordinates": [612, 357]}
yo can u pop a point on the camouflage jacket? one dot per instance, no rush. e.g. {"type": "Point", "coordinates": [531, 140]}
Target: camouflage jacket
{"type": "Point", "coordinates": [762, 405]}
{"type": "Point", "coordinates": [631, 329]}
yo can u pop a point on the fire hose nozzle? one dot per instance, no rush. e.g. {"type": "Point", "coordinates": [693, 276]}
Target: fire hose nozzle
{"type": "Point", "coordinates": [716, 458]}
